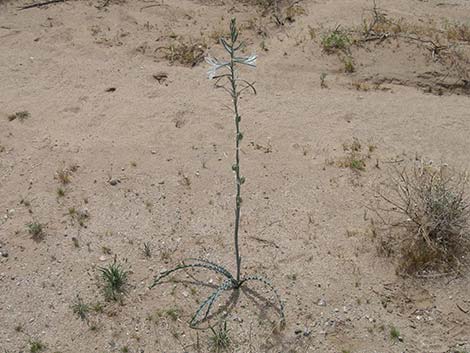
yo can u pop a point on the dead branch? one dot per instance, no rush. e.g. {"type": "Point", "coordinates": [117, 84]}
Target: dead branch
{"type": "Point", "coordinates": [462, 309]}
{"type": "Point", "coordinates": [40, 4]}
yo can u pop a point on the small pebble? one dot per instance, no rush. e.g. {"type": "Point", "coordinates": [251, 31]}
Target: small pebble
{"type": "Point", "coordinates": [114, 181]}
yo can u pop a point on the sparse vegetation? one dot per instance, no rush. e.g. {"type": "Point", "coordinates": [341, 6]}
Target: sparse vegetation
{"type": "Point", "coordinates": [63, 175]}
{"type": "Point", "coordinates": [160, 152]}
{"type": "Point", "coordinates": [173, 313]}
{"type": "Point", "coordinates": [21, 116]}
{"type": "Point", "coordinates": [458, 32]}
{"type": "Point", "coordinates": [446, 45]}
{"type": "Point", "coordinates": [184, 52]}
{"type": "Point", "coordinates": [355, 157]}
{"type": "Point", "coordinates": [79, 215]}
{"type": "Point", "coordinates": [294, 11]}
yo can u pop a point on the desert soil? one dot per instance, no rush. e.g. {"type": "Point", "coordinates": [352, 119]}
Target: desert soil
{"type": "Point", "coordinates": [141, 148]}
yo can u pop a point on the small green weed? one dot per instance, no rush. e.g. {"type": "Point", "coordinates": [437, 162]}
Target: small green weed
{"type": "Point", "coordinates": [21, 116]}
{"type": "Point", "coordinates": [220, 339]}
{"type": "Point", "coordinates": [80, 308]}
{"type": "Point", "coordinates": [60, 192]}
{"type": "Point", "coordinates": [357, 164]}
{"type": "Point", "coordinates": [147, 250]}
{"type": "Point", "coordinates": [173, 313]}
{"type": "Point", "coordinates": [36, 230]}
{"type": "Point", "coordinates": [394, 333]}
{"type": "Point", "coordinates": [115, 280]}
{"type": "Point", "coordinates": [323, 76]}
{"type": "Point", "coordinates": [348, 65]}
{"type": "Point", "coordinates": [335, 40]}
{"type": "Point", "coordinates": [97, 308]}
{"type": "Point", "coordinates": [36, 346]}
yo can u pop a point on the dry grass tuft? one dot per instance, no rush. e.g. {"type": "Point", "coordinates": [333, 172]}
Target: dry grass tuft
{"type": "Point", "coordinates": [184, 52]}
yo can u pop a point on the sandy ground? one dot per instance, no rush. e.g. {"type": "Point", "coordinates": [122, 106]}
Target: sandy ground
{"type": "Point", "coordinates": [168, 148]}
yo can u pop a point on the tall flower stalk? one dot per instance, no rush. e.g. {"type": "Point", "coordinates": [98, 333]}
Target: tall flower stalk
{"type": "Point", "coordinates": [227, 77]}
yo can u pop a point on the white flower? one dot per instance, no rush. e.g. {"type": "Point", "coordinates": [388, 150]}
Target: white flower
{"type": "Point", "coordinates": [249, 60]}
{"type": "Point", "coordinates": [214, 66]}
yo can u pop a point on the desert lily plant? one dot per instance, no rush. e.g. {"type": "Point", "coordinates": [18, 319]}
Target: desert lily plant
{"type": "Point", "coordinates": [226, 74]}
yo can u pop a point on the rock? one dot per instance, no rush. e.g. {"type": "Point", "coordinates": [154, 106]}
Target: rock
{"type": "Point", "coordinates": [114, 181]}
{"type": "Point", "coordinates": [4, 253]}
{"type": "Point", "coordinates": [102, 258]}
{"type": "Point", "coordinates": [160, 76]}
{"type": "Point", "coordinates": [321, 302]}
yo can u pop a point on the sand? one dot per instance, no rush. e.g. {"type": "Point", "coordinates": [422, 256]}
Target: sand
{"type": "Point", "coordinates": [149, 162]}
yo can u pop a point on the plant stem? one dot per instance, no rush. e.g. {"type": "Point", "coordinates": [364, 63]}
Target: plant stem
{"type": "Point", "coordinates": [236, 168]}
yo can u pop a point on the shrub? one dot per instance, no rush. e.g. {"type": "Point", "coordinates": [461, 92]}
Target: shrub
{"type": "Point", "coordinates": [335, 40]}
{"type": "Point", "coordinates": [433, 215]}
